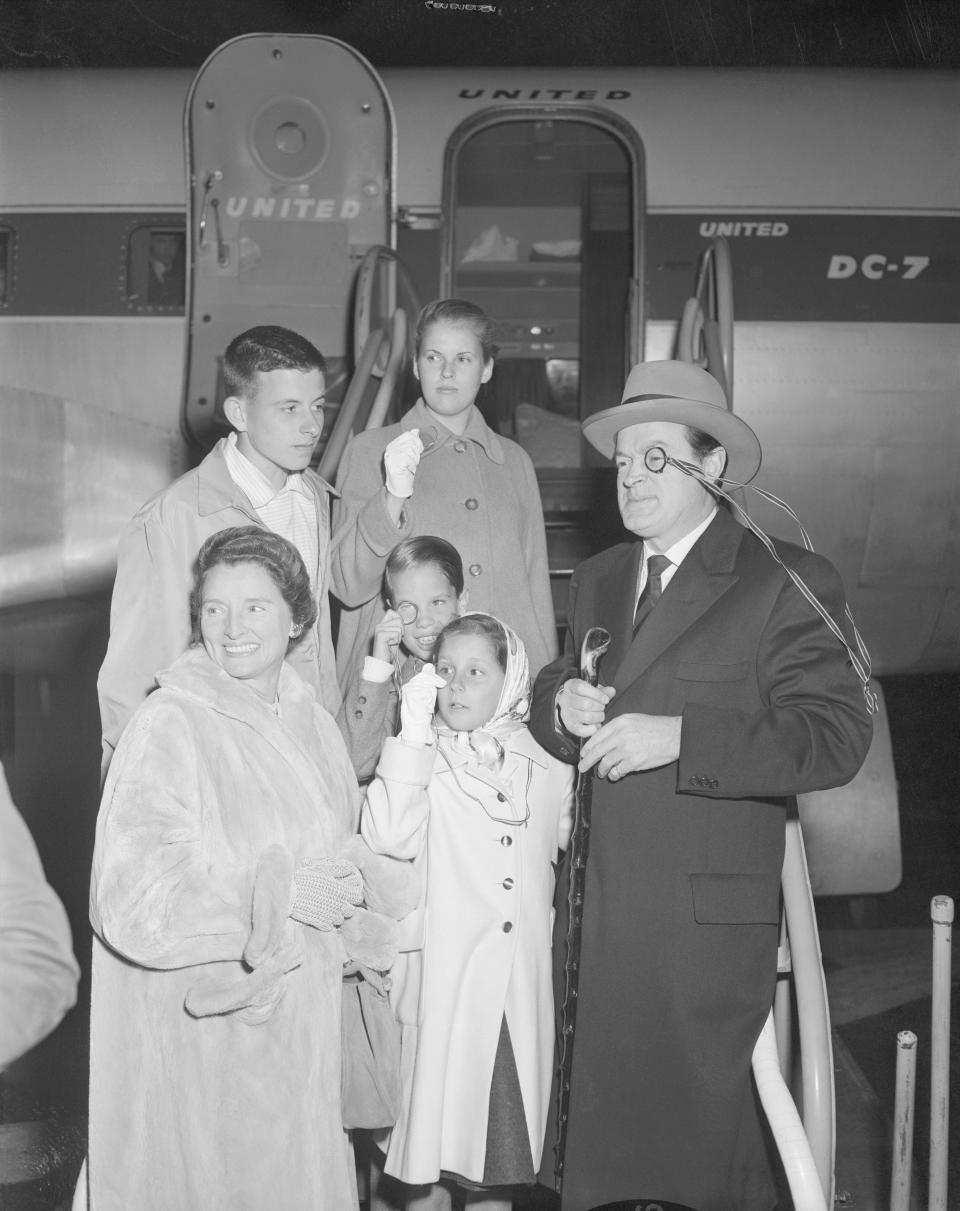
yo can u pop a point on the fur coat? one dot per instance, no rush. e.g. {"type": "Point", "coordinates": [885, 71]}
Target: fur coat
{"type": "Point", "coordinates": [225, 1111]}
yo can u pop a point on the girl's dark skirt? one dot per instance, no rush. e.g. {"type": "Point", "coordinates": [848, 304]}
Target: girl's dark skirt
{"type": "Point", "coordinates": [508, 1161]}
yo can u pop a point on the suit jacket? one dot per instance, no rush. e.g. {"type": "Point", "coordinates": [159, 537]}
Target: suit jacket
{"type": "Point", "coordinates": [678, 959]}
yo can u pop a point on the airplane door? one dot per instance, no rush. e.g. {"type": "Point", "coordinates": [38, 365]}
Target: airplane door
{"type": "Point", "coordinates": [290, 146]}
{"type": "Point", "coordinates": [545, 211]}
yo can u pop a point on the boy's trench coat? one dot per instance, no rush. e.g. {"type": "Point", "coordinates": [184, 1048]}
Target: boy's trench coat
{"type": "Point", "coordinates": [150, 607]}
{"type": "Point", "coordinates": [479, 945]}
{"type": "Point", "coordinates": [215, 1112]}
{"type": "Point", "coordinates": [681, 905]}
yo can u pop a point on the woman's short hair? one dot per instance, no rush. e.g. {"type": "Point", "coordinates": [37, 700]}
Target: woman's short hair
{"type": "Point", "coordinates": [419, 552]}
{"type": "Point", "coordinates": [279, 558]}
{"type": "Point", "coordinates": [483, 625]}
{"type": "Point", "coordinates": [265, 348]}
{"type": "Point", "coordinates": [462, 314]}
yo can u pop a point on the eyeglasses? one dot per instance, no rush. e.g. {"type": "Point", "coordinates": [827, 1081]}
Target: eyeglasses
{"type": "Point", "coordinates": [409, 613]}
{"type": "Point", "coordinates": [655, 459]}
{"type": "Point", "coordinates": [440, 609]}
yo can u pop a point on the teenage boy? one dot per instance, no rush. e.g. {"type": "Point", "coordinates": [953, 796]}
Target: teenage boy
{"type": "Point", "coordinates": [260, 473]}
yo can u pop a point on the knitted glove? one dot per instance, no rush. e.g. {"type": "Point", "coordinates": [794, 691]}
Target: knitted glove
{"type": "Point", "coordinates": [418, 701]}
{"type": "Point", "coordinates": [400, 461]}
{"type": "Point", "coordinates": [391, 886]}
{"type": "Point", "coordinates": [326, 892]}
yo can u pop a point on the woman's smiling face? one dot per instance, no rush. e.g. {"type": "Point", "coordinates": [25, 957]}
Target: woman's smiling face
{"type": "Point", "coordinates": [245, 624]}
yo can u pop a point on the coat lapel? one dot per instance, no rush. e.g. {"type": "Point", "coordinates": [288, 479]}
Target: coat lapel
{"type": "Point", "coordinates": [613, 601]}
{"type": "Point", "coordinates": [703, 577]}
{"type": "Point", "coordinates": [198, 677]}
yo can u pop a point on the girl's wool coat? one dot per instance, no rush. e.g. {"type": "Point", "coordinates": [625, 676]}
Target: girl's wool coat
{"type": "Point", "coordinates": [217, 1112]}
{"type": "Point", "coordinates": [484, 929]}
{"type": "Point", "coordinates": [480, 493]}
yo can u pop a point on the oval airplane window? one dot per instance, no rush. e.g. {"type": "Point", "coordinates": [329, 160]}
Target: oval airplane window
{"type": "Point", "coordinates": [545, 211]}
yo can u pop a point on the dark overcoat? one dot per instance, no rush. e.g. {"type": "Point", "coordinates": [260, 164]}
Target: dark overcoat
{"type": "Point", "coordinates": [678, 960]}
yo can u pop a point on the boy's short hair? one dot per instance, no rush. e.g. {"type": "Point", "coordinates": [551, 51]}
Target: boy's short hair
{"type": "Point", "coordinates": [423, 549]}
{"type": "Point", "coordinates": [268, 347]}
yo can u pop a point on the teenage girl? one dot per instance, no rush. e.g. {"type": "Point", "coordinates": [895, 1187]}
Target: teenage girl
{"type": "Point", "coordinates": [440, 470]}
{"type": "Point", "coordinates": [484, 810]}
{"type": "Point", "coordinates": [423, 591]}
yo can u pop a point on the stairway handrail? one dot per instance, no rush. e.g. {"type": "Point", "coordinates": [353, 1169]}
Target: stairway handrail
{"type": "Point", "coordinates": [343, 425]}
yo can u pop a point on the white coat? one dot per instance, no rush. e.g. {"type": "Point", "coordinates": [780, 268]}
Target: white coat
{"type": "Point", "coordinates": [485, 929]}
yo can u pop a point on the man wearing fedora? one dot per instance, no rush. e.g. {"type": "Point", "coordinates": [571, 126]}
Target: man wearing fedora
{"type": "Point", "coordinates": [723, 695]}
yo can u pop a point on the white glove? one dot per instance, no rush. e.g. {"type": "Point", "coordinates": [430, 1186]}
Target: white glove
{"type": "Point", "coordinates": [400, 461]}
{"type": "Point", "coordinates": [418, 700]}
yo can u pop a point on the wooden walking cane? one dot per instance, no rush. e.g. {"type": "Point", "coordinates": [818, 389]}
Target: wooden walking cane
{"type": "Point", "coordinates": [595, 643]}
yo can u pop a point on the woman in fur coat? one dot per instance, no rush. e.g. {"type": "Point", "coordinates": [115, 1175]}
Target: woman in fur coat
{"type": "Point", "coordinates": [222, 908]}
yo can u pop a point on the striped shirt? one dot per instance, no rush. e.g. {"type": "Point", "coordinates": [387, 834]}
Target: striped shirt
{"type": "Point", "coordinates": [290, 511]}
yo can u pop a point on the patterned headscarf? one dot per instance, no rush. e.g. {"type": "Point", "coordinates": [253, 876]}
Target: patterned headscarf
{"type": "Point", "coordinates": [488, 742]}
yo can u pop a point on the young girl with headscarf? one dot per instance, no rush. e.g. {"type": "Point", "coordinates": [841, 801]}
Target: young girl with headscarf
{"type": "Point", "coordinates": [484, 811]}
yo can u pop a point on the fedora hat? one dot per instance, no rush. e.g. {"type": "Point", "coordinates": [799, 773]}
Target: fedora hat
{"type": "Point", "coordinates": [685, 395]}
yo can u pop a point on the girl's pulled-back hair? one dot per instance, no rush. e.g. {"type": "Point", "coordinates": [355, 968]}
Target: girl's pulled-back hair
{"type": "Point", "coordinates": [265, 348]}
{"type": "Point", "coordinates": [462, 314]}
{"type": "Point", "coordinates": [482, 625]}
{"type": "Point", "coordinates": [279, 558]}
{"type": "Point", "coordinates": [418, 552]}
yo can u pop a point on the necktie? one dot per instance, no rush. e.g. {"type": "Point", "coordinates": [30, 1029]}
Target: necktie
{"type": "Point", "coordinates": [656, 566]}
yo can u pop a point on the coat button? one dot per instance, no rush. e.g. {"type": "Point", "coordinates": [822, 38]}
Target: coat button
{"type": "Point", "coordinates": [471, 503]}
{"type": "Point", "coordinates": [362, 700]}
{"type": "Point", "coordinates": [506, 840]}
{"type": "Point", "coordinates": [501, 797]}
{"type": "Point", "coordinates": [475, 569]}
{"type": "Point", "coordinates": [714, 784]}
{"type": "Point", "coordinates": [507, 926]}
{"type": "Point", "coordinates": [460, 447]}
{"type": "Point", "coordinates": [693, 780]}
{"type": "Point", "coordinates": [508, 883]}
{"type": "Point", "coordinates": [358, 714]}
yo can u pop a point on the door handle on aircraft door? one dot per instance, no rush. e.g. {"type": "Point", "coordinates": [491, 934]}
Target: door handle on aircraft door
{"type": "Point", "coordinates": [223, 256]}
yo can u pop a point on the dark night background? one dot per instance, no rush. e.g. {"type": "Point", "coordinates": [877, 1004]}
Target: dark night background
{"type": "Point", "coordinates": [707, 33]}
